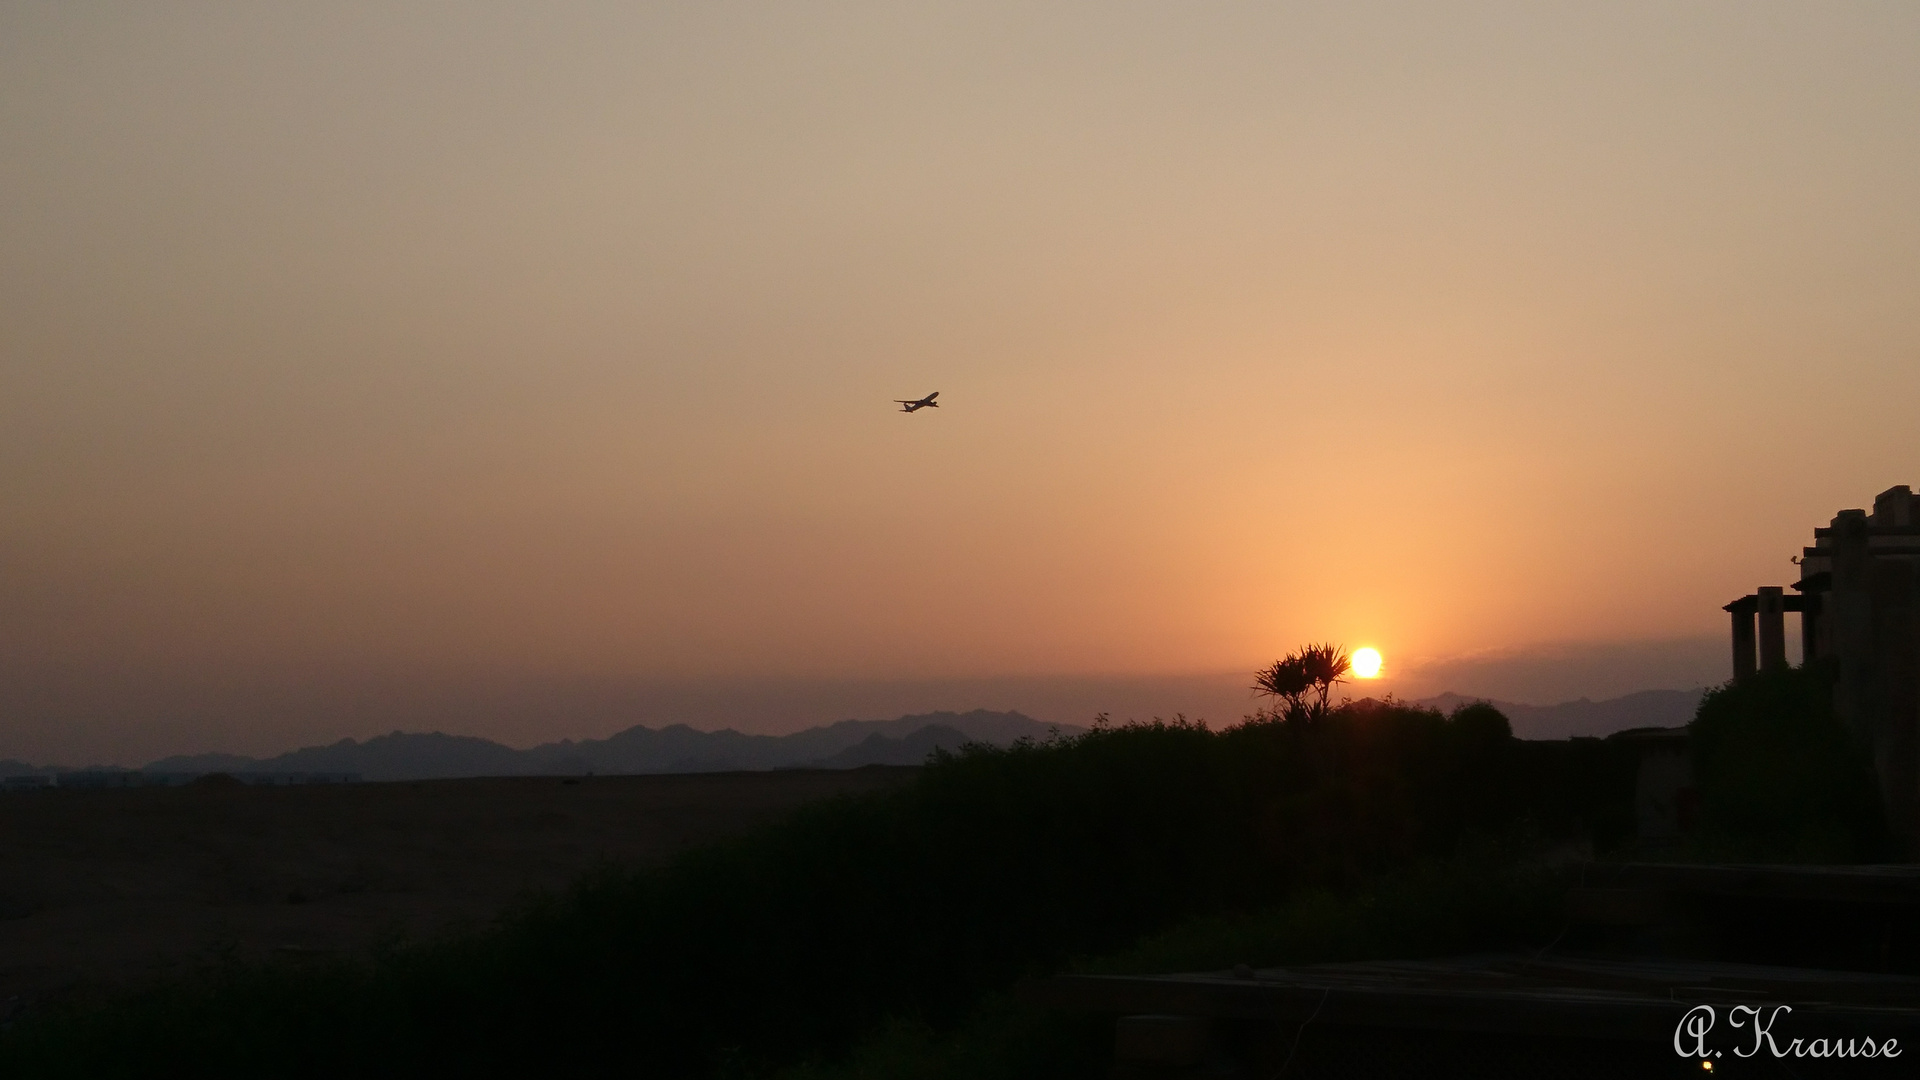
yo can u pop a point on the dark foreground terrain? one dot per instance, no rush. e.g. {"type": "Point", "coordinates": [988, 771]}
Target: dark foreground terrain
{"type": "Point", "coordinates": [890, 933]}
{"type": "Point", "coordinates": [101, 888]}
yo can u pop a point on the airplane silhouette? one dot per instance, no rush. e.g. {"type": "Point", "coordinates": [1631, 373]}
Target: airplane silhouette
{"type": "Point", "coordinates": [924, 403]}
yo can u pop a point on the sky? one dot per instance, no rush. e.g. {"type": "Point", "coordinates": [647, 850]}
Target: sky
{"type": "Point", "coordinates": [407, 365]}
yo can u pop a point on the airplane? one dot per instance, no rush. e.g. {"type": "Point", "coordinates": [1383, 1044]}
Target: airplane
{"type": "Point", "coordinates": [924, 403]}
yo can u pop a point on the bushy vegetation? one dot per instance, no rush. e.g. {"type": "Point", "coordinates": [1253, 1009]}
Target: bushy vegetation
{"type": "Point", "coordinates": [795, 942]}
{"type": "Point", "coordinates": [1486, 897]}
{"type": "Point", "coordinates": [1491, 897]}
{"type": "Point", "coordinates": [1780, 777]}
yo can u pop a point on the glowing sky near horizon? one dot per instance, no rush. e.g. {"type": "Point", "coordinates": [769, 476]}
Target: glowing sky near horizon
{"type": "Point", "coordinates": [562, 338]}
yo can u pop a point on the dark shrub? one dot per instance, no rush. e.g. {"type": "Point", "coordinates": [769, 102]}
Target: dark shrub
{"type": "Point", "coordinates": [1780, 777]}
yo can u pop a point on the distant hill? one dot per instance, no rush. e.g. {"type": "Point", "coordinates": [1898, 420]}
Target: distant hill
{"type": "Point", "coordinates": [1648, 708]}
{"type": "Point", "coordinates": [674, 749]}
{"type": "Point", "coordinates": [847, 744]}
{"type": "Point", "coordinates": [878, 749]}
{"type": "Point", "coordinates": [399, 756]}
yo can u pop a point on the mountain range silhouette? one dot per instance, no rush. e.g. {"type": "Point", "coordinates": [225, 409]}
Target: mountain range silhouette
{"type": "Point", "coordinates": [908, 740]}
{"type": "Point", "coordinates": [673, 749]}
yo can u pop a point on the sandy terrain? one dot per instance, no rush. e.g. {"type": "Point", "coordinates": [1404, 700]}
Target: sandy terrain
{"type": "Point", "coordinates": [111, 887]}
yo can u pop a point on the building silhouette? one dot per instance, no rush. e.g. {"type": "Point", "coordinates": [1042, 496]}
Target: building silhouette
{"type": "Point", "coordinates": [1858, 599]}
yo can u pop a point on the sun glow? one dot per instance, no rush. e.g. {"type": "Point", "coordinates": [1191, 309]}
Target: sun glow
{"type": "Point", "coordinates": [1366, 663]}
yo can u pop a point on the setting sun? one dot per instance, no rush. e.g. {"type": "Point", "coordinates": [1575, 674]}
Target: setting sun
{"type": "Point", "coordinates": [1366, 663]}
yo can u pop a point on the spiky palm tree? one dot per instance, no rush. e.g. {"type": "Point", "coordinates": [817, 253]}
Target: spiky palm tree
{"type": "Point", "coordinates": [1288, 681]}
{"type": "Point", "coordinates": [1303, 680]}
{"type": "Point", "coordinates": [1324, 665]}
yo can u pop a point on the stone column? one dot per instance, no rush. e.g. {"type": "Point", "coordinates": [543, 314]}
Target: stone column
{"type": "Point", "coordinates": [1872, 627]}
{"type": "Point", "coordinates": [1743, 643]}
{"type": "Point", "coordinates": [1846, 612]}
{"type": "Point", "coordinates": [1772, 610]}
{"type": "Point", "coordinates": [1810, 629]}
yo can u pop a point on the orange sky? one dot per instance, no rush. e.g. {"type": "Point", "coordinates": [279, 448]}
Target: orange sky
{"type": "Point", "coordinates": [558, 340]}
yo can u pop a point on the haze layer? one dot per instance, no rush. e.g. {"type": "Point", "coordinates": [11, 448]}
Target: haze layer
{"type": "Point", "coordinates": [371, 345]}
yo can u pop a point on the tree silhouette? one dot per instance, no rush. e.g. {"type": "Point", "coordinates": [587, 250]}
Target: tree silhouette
{"type": "Point", "coordinates": [1286, 680]}
{"type": "Point", "coordinates": [1303, 680]}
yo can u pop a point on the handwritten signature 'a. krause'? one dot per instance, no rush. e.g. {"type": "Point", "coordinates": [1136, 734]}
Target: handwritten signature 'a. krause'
{"type": "Point", "coordinates": [1756, 1034]}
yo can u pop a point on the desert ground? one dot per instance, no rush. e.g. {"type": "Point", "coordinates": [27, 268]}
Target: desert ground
{"type": "Point", "coordinates": [112, 888]}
